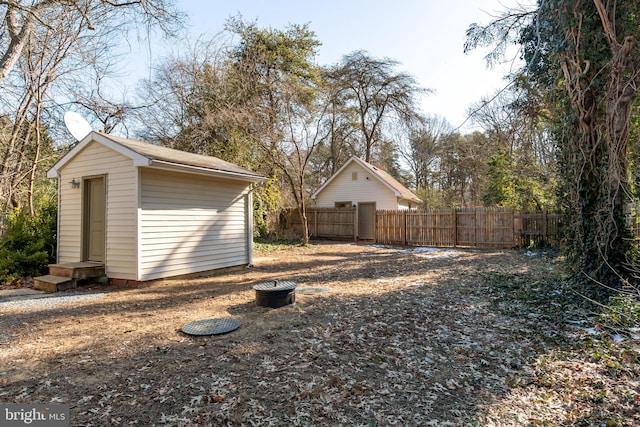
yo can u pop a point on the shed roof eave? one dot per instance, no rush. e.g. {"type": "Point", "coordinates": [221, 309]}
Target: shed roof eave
{"type": "Point", "coordinates": [160, 164]}
{"type": "Point", "coordinates": [138, 159]}
{"type": "Point", "coordinates": [410, 199]}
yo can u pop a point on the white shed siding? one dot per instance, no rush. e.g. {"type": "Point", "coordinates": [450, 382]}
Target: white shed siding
{"type": "Point", "coordinates": [403, 204]}
{"type": "Point", "coordinates": [344, 189]}
{"type": "Point", "coordinates": [190, 223]}
{"type": "Point", "coordinates": [96, 159]}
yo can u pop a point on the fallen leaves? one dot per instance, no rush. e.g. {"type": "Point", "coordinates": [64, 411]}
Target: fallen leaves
{"type": "Point", "coordinates": [403, 337]}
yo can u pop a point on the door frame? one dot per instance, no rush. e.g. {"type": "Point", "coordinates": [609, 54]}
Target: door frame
{"type": "Point", "coordinates": [86, 211]}
{"type": "Point", "coordinates": [373, 221]}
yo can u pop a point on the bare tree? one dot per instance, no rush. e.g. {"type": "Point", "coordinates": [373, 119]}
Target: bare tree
{"type": "Point", "coordinates": [22, 17]}
{"type": "Point", "coordinates": [197, 102]}
{"type": "Point", "coordinates": [342, 136]}
{"type": "Point", "coordinates": [94, 99]}
{"type": "Point", "coordinates": [523, 170]}
{"type": "Point", "coordinates": [41, 64]}
{"type": "Point", "coordinates": [303, 132]}
{"type": "Point", "coordinates": [421, 149]}
{"type": "Point", "coordinates": [377, 95]}
{"type": "Point", "coordinates": [252, 103]}
{"type": "Point", "coordinates": [53, 46]}
{"type": "Point", "coordinates": [463, 162]}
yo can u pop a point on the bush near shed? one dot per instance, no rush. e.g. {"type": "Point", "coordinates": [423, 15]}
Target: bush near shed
{"type": "Point", "coordinates": [28, 243]}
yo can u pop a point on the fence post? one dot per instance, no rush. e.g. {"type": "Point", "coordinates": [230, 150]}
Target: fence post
{"type": "Point", "coordinates": [315, 222]}
{"type": "Point", "coordinates": [455, 227]}
{"type": "Point", "coordinates": [475, 227]}
{"type": "Point", "coordinates": [353, 221]}
{"type": "Point", "coordinates": [404, 227]}
{"type": "Point", "coordinates": [513, 227]}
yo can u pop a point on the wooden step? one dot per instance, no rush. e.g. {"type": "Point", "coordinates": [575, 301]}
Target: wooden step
{"type": "Point", "coordinates": [78, 270]}
{"type": "Point", "coordinates": [52, 283]}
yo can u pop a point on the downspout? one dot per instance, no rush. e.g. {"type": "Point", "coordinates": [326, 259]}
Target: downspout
{"type": "Point", "coordinates": [58, 217]}
{"type": "Point", "coordinates": [249, 219]}
{"type": "Point", "coordinates": [249, 210]}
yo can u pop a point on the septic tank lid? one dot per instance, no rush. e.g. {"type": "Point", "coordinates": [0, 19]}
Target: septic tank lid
{"type": "Point", "coordinates": [211, 326]}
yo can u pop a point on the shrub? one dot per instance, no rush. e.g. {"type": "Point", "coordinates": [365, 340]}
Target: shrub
{"type": "Point", "coordinates": [29, 242]}
{"type": "Point", "coordinates": [265, 203]}
{"type": "Point", "coordinates": [622, 313]}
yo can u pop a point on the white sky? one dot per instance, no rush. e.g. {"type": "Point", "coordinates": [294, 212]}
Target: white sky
{"type": "Point", "coordinates": [426, 37]}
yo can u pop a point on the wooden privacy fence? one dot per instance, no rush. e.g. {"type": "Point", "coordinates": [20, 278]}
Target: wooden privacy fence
{"type": "Point", "coordinates": [328, 223]}
{"type": "Point", "coordinates": [479, 227]}
{"type": "Point", "coordinates": [538, 228]}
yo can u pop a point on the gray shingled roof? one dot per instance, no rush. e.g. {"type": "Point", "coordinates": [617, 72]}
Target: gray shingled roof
{"type": "Point", "coordinates": [177, 157]}
{"type": "Point", "coordinates": [149, 155]}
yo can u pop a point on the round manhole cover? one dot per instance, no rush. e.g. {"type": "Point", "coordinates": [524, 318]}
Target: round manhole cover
{"type": "Point", "coordinates": [211, 326]}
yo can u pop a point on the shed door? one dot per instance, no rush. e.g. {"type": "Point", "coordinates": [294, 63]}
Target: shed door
{"type": "Point", "coordinates": [367, 221]}
{"type": "Point", "coordinates": [95, 203]}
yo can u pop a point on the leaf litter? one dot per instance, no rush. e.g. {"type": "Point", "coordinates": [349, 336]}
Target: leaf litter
{"type": "Point", "coordinates": [404, 337]}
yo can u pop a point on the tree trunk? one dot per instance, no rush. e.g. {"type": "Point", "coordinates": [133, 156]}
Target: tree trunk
{"type": "Point", "coordinates": [35, 159]}
{"type": "Point", "coordinates": [17, 41]}
{"type": "Point", "coordinates": [302, 211]}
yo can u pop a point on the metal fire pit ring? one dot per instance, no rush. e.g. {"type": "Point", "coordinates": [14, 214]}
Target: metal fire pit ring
{"type": "Point", "coordinates": [211, 326]}
{"type": "Point", "coordinates": [275, 293]}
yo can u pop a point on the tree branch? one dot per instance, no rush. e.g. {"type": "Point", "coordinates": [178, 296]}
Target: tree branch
{"type": "Point", "coordinates": [606, 24]}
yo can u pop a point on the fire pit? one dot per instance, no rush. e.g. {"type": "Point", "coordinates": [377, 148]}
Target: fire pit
{"type": "Point", "coordinates": [275, 293]}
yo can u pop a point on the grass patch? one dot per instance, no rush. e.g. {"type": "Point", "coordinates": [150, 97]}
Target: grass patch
{"type": "Point", "coordinates": [593, 363]}
{"type": "Point", "coordinates": [521, 295]}
{"type": "Point", "coordinates": [262, 245]}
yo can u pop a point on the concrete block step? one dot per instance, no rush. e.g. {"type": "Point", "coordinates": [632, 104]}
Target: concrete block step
{"type": "Point", "coordinates": [78, 270]}
{"type": "Point", "coordinates": [52, 283]}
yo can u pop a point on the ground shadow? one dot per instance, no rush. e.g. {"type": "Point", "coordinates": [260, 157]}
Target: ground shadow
{"type": "Point", "coordinates": [400, 340]}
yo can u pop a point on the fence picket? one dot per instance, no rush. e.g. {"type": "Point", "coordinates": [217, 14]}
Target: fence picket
{"type": "Point", "coordinates": [475, 227]}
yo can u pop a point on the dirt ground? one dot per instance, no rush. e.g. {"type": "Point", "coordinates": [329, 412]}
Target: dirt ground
{"type": "Point", "coordinates": [403, 337]}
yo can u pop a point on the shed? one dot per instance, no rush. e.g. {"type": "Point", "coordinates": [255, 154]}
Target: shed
{"type": "Point", "coordinates": [147, 212]}
{"type": "Point", "coordinates": [366, 187]}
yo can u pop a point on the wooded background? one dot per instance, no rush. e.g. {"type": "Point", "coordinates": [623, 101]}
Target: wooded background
{"type": "Point", "coordinates": [561, 136]}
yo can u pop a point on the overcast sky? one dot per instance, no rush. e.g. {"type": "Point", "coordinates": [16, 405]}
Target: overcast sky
{"type": "Point", "coordinates": [426, 37]}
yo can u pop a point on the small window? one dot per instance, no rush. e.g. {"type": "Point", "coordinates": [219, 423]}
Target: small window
{"type": "Point", "coordinates": [343, 205]}
{"type": "Point", "coordinates": [354, 176]}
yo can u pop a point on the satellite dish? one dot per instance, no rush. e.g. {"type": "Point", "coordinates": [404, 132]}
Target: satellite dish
{"type": "Point", "coordinates": [77, 125]}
